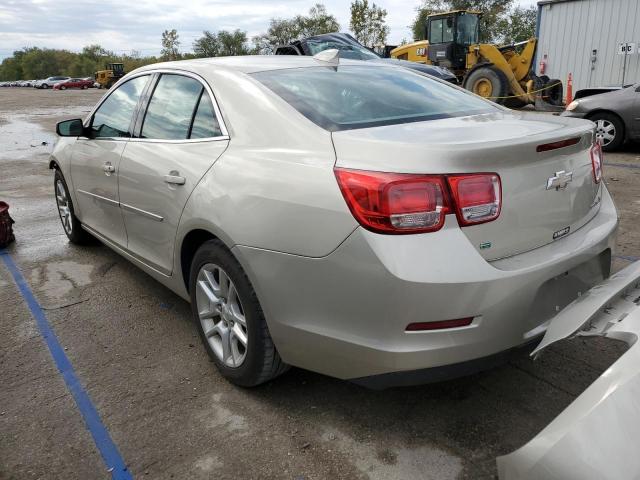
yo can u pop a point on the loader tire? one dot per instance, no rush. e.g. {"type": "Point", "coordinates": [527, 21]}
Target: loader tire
{"type": "Point", "coordinates": [553, 95]}
{"type": "Point", "coordinates": [488, 82]}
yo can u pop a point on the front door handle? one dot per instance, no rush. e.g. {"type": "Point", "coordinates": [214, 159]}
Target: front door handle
{"type": "Point", "coordinates": [108, 169]}
{"type": "Point", "coordinates": [174, 179]}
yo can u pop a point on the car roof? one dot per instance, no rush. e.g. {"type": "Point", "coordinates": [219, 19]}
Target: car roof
{"type": "Point", "coordinates": [249, 63]}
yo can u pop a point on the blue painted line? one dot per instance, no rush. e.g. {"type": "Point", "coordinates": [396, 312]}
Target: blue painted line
{"type": "Point", "coordinates": [110, 454]}
{"type": "Point", "coordinates": [629, 258]}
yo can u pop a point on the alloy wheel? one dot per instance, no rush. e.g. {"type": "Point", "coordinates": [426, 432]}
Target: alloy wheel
{"type": "Point", "coordinates": [63, 207]}
{"type": "Point", "coordinates": [221, 315]}
{"type": "Point", "coordinates": [605, 131]}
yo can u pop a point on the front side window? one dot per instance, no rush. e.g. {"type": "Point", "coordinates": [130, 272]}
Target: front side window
{"type": "Point", "coordinates": [113, 117]}
{"type": "Point", "coordinates": [366, 96]}
{"type": "Point", "coordinates": [467, 29]}
{"type": "Point", "coordinates": [441, 31]}
{"type": "Point", "coordinates": [172, 108]}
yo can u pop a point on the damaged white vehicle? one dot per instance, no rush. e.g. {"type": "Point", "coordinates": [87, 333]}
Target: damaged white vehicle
{"type": "Point", "coordinates": [596, 437]}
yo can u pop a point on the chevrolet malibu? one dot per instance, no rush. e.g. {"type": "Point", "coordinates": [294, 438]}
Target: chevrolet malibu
{"type": "Point", "coordinates": [365, 222]}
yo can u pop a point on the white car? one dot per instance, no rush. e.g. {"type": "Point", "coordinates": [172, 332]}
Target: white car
{"type": "Point", "coordinates": [365, 222]}
{"type": "Point", "coordinates": [375, 224]}
{"type": "Point", "coordinates": [49, 82]}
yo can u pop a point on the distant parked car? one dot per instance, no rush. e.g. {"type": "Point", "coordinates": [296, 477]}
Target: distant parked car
{"type": "Point", "coordinates": [614, 113]}
{"type": "Point", "coordinates": [74, 83]}
{"type": "Point", "coordinates": [93, 82]}
{"type": "Point", "coordinates": [350, 48]}
{"type": "Point", "coordinates": [50, 82]}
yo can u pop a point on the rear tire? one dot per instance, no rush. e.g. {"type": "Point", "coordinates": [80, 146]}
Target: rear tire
{"type": "Point", "coordinates": [63, 87]}
{"type": "Point", "coordinates": [229, 318]}
{"type": "Point", "coordinates": [609, 130]}
{"type": "Point", "coordinates": [488, 82]}
{"type": "Point", "coordinates": [70, 223]}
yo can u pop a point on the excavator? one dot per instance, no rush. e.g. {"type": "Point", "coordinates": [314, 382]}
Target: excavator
{"type": "Point", "coordinates": [503, 74]}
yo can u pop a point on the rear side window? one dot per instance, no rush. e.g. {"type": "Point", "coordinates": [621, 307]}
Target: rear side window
{"type": "Point", "coordinates": [367, 96]}
{"type": "Point", "coordinates": [113, 117]}
{"type": "Point", "coordinates": [171, 108]}
{"type": "Point", "coordinates": [205, 124]}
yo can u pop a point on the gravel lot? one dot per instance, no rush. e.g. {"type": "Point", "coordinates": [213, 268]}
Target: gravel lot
{"type": "Point", "coordinates": [166, 408]}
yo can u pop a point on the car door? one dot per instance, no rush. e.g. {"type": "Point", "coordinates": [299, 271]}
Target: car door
{"type": "Point", "coordinates": [181, 136]}
{"type": "Point", "coordinates": [96, 158]}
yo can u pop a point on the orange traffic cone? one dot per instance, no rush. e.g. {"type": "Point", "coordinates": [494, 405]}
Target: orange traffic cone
{"type": "Point", "coordinates": [569, 98]}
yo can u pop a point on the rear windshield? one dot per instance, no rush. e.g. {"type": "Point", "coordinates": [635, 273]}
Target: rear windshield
{"type": "Point", "coordinates": [368, 96]}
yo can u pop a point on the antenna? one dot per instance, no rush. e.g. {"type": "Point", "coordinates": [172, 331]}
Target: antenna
{"type": "Point", "coordinates": [331, 57]}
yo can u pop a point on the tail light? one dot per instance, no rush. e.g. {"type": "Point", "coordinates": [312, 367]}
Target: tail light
{"type": "Point", "coordinates": [477, 197]}
{"type": "Point", "coordinates": [397, 203]}
{"type": "Point", "coordinates": [596, 161]}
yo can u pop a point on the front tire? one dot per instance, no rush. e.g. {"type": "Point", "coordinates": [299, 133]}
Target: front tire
{"type": "Point", "coordinates": [229, 318]}
{"type": "Point", "coordinates": [488, 82]}
{"type": "Point", "coordinates": [70, 223]}
{"type": "Point", "coordinates": [609, 130]}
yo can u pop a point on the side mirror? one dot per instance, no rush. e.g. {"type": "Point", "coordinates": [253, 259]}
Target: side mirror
{"type": "Point", "coordinates": [70, 128]}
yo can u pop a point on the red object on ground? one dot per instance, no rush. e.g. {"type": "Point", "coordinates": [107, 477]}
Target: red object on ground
{"type": "Point", "coordinates": [569, 98]}
{"type": "Point", "coordinates": [6, 229]}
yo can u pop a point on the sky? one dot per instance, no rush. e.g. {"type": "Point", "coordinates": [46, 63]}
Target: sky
{"type": "Point", "coordinates": [126, 25]}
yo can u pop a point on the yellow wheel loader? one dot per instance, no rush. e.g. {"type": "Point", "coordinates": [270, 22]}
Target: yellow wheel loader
{"type": "Point", "coordinates": [503, 74]}
{"type": "Point", "coordinates": [110, 75]}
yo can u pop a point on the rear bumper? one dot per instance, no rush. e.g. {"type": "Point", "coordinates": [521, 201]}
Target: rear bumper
{"type": "Point", "coordinates": [345, 314]}
{"type": "Point", "coordinates": [596, 437]}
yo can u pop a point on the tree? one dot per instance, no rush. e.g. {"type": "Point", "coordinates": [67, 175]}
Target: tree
{"type": "Point", "coordinates": [223, 44]}
{"type": "Point", "coordinates": [95, 52]}
{"type": "Point", "coordinates": [283, 31]}
{"type": "Point", "coordinates": [35, 63]}
{"type": "Point", "coordinates": [318, 21]}
{"type": "Point", "coordinates": [170, 45]}
{"type": "Point", "coordinates": [207, 45]}
{"type": "Point", "coordinates": [520, 25]}
{"type": "Point", "coordinates": [233, 43]}
{"type": "Point", "coordinates": [368, 23]}
{"type": "Point", "coordinates": [494, 13]}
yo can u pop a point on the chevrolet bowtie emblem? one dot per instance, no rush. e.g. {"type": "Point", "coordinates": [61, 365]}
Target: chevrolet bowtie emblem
{"type": "Point", "coordinates": [560, 180]}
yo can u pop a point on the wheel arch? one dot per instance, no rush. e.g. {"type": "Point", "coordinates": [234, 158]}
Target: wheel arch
{"type": "Point", "coordinates": [54, 165]}
{"type": "Point", "coordinates": [192, 241]}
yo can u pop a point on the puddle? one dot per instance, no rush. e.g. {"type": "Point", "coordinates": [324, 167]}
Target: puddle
{"type": "Point", "coordinates": [57, 279]}
{"type": "Point", "coordinates": [20, 139]}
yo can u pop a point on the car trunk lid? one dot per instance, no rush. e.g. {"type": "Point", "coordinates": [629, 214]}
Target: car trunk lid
{"type": "Point", "coordinates": [505, 143]}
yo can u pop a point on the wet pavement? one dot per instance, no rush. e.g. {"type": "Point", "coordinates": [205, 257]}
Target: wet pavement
{"type": "Point", "coordinates": [138, 357]}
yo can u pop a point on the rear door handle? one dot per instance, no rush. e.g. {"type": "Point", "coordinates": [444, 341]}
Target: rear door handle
{"type": "Point", "coordinates": [175, 179]}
